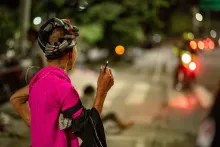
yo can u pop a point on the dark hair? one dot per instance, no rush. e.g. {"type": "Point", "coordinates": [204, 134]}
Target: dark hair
{"type": "Point", "coordinates": [89, 90]}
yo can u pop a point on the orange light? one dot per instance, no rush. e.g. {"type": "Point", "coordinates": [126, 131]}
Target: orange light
{"type": "Point", "coordinates": [119, 50]}
{"type": "Point", "coordinates": [201, 45]}
{"type": "Point", "coordinates": [193, 45]}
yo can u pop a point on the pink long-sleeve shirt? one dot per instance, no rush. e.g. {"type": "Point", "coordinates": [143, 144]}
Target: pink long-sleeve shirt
{"type": "Point", "coordinates": [50, 93]}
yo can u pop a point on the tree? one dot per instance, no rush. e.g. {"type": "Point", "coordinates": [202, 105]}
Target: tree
{"type": "Point", "coordinates": [8, 26]}
{"type": "Point", "coordinates": [123, 22]}
{"type": "Point", "coordinates": [106, 23]}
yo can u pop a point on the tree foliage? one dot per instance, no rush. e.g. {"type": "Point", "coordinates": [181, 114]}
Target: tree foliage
{"type": "Point", "coordinates": [109, 23]}
{"type": "Point", "coordinates": [103, 23]}
{"type": "Point", "coordinates": [7, 26]}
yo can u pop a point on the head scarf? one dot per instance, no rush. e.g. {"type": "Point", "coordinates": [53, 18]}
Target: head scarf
{"type": "Point", "coordinates": [67, 42]}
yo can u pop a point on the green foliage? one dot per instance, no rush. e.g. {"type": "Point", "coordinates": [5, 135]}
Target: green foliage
{"type": "Point", "coordinates": [7, 26]}
{"type": "Point", "coordinates": [126, 18]}
{"type": "Point", "coordinates": [103, 22]}
{"type": "Point", "coordinates": [106, 11]}
{"type": "Point", "coordinates": [91, 33]}
{"type": "Point", "coordinates": [59, 3]}
{"type": "Point", "coordinates": [180, 23]}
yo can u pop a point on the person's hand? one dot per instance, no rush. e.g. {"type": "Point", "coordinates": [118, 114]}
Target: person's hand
{"type": "Point", "coordinates": [105, 81]}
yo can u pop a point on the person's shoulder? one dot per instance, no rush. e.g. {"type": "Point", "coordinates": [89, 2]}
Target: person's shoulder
{"type": "Point", "coordinates": [63, 86]}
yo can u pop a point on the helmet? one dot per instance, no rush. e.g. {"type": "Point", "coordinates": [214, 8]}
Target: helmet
{"type": "Point", "coordinates": [68, 41]}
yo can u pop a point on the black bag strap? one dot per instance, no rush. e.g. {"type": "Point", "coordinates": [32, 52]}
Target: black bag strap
{"type": "Point", "coordinates": [69, 112]}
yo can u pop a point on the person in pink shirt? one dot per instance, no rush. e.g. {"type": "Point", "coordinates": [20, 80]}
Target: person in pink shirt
{"type": "Point", "coordinates": [50, 104]}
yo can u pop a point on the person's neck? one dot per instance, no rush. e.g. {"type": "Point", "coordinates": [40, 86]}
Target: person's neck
{"type": "Point", "coordinates": [58, 64]}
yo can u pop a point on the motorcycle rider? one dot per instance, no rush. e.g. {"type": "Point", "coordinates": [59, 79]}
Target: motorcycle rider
{"type": "Point", "coordinates": [180, 49]}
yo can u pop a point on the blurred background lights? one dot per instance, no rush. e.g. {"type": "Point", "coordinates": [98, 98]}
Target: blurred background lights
{"type": "Point", "coordinates": [201, 45]}
{"type": "Point", "coordinates": [37, 20]}
{"type": "Point", "coordinates": [206, 45]}
{"type": "Point", "coordinates": [119, 50]}
{"type": "Point", "coordinates": [10, 53]}
{"type": "Point", "coordinates": [199, 17]}
{"type": "Point", "coordinates": [186, 58]}
{"type": "Point", "coordinates": [190, 36]}
{"type": "Point", "coordinates": [192, 66]}
{"type": "Point", "coordinates": [157, 38]}
{"type": "Point", "coordinates": [83, 4]}
{"type": "Point", "coordinates": [213, 33]}
{"type": "Point", "coordinates": [211, 45]}
{"type": "Point", "coordinates": [193, 45]}
{"type": "Point", "coordinates": [10, 43]}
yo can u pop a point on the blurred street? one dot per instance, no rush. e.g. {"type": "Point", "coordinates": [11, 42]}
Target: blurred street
{"type": "Point", "coordinates": [143, 93]}
{"type": "Point", "coordinates": [164, 56]}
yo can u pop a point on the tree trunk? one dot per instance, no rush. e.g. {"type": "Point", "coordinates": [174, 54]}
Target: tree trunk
{"type": "Point", "coordinates": [25, 11]}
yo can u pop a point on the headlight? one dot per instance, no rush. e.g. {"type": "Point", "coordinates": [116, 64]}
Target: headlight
{"type": "Point", "coordinates": [192, 66]}
{"type": "Point", "coordinates": [186, 58]}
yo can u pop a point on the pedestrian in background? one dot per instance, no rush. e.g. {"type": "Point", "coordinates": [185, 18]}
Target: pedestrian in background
{"type": "Point", "coordinates": [87, 101]}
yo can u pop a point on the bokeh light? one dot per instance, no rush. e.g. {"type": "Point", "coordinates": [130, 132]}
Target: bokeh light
{"type": "Point", "coordinates": [211, 45]}
{"type": "Point", "coordinates": [37, 20]}
{"type": "Point", "coordinates": [199, 17]}
{"type": "Point", "coordinates": [186, 58]}
{"type": "Point", "coordinates": [201, 45]}
{"type": "Point", "coordinates": [192, 66]}
{"type": "Point", "coordinates": [10, 53]}
{"type": "Point", "coordinates": [193, 45]}
{"type": "Point", "coordinates": [157, 38]}
{"type": "Point", "coordinates": [119, 50]}
{"type": "Point", "coordinates": [190, 36]}
{"type": "Point", "coordinates": [206, 44]}
{"type": "Point", "coordinates": [213, 33]}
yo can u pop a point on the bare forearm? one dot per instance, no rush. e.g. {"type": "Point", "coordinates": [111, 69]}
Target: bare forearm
{"type": "Point", "coordinates": [19, 101]}
{"type": "Point", "coordinates": [24, 112]}
{"type": "Point", "coordinates": [99, 101]}
{"type": "Point", "coordinates": [22, 109]}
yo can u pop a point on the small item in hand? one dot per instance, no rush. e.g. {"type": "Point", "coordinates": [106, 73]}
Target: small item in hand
{"type": "Point", "coordinates": [106, 64]}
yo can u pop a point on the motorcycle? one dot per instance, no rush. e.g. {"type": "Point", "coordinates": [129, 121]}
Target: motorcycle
{"type": "Point", "coordinates": [185, 75]}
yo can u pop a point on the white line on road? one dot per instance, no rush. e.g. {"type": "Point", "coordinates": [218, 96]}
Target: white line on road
{"type": "Point", "coordinates": [158, 68]}
{"type": "Point", "coordinates": [137, 94]}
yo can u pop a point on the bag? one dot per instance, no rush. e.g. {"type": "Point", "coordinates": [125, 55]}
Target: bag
{"type": "Point", "coordinates": [88, 126]}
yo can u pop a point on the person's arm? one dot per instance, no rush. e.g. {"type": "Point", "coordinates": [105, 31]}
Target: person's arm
{"type": "Point", "coordinates": [105, 82]}
{"type": "Point", "coordinates": [19, 101]}
{"type": "Point", "coordinates": [99, 101]}
{"type": "Point", "coordinates": [69, 97]}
